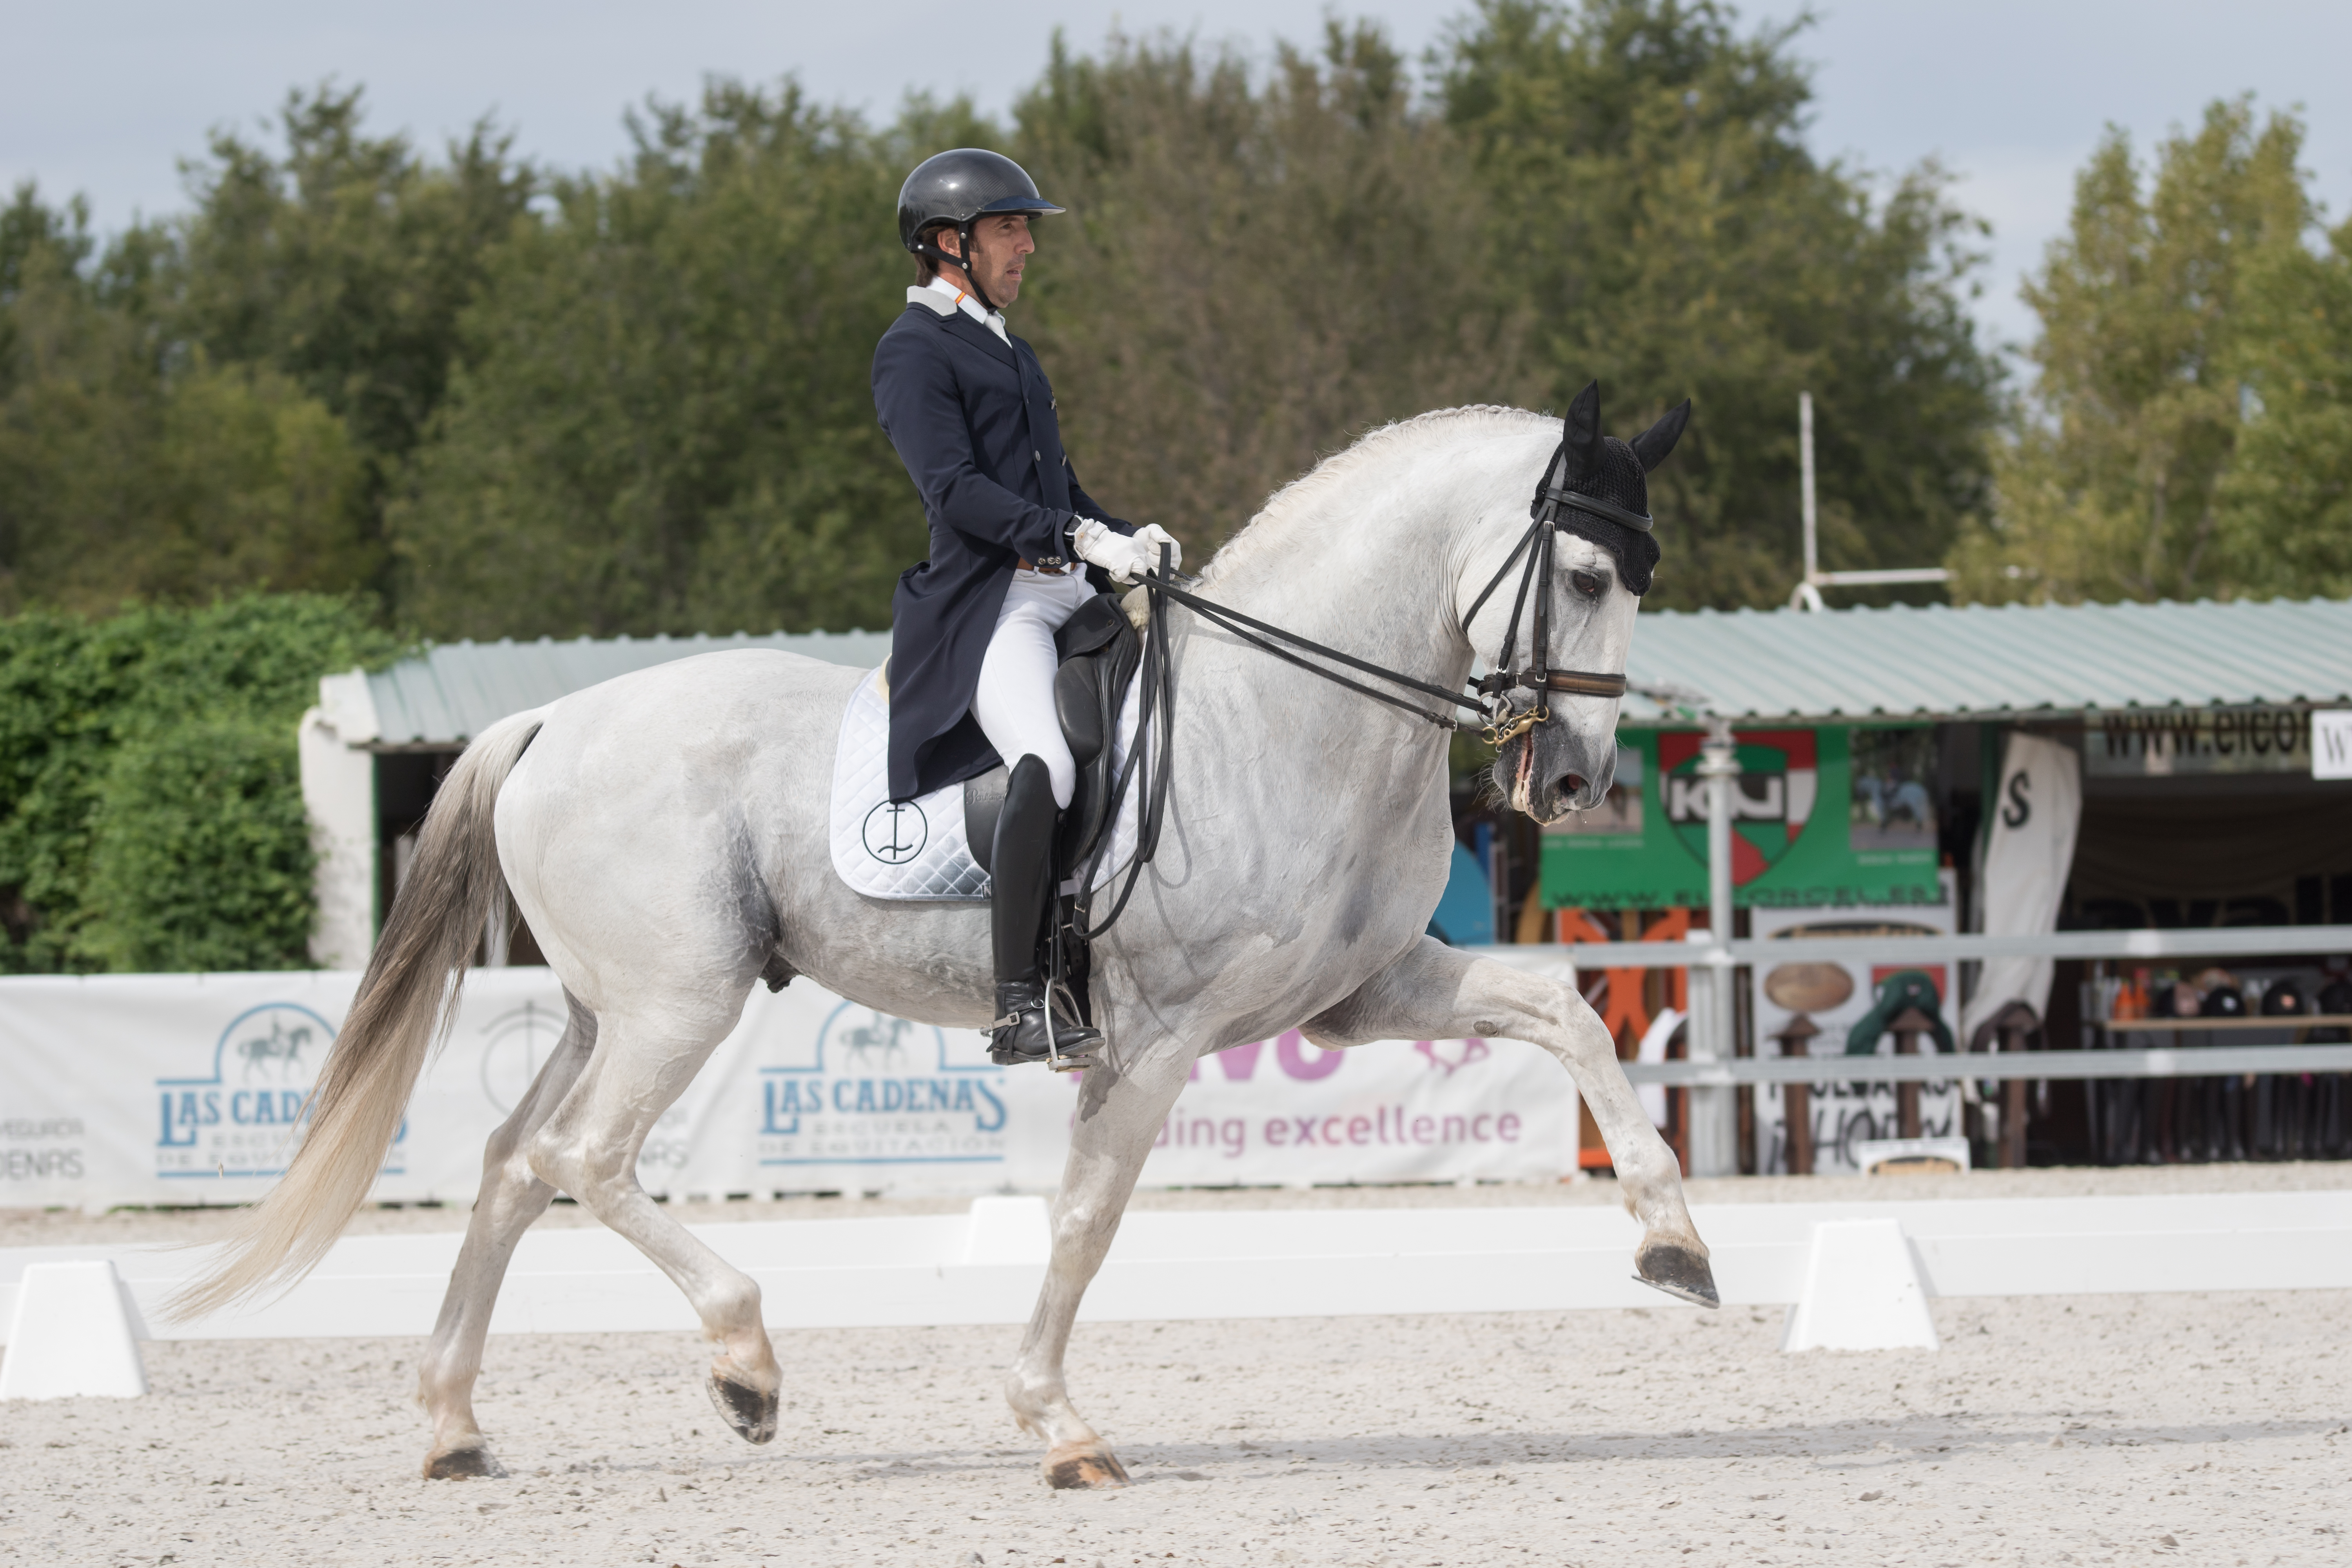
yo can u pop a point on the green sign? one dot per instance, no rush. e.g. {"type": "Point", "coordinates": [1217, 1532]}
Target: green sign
{"type": "Point", "coordinates": [1819, 818]}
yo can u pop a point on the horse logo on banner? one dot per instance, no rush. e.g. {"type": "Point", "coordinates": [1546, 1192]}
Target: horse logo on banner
{"type": "Point", "coordinates": [281, 1045]}
{"type": "Point", "coordinates": [244, 1117]}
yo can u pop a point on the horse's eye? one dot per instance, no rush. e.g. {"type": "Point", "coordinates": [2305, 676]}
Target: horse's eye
{"type": "Point", "coordinates": [1588, 584]}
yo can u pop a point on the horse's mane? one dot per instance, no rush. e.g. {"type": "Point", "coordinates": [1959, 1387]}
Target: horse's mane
{"type": "Point", "coordinates": [1301, 493]}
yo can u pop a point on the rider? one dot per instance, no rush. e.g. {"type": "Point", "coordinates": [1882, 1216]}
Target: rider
{"type": "Point", "coordinates": [1016, 546]}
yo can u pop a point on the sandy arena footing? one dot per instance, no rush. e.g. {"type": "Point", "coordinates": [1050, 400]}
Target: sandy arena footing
{"type": "Point", "coordinates": [2102, 1429]}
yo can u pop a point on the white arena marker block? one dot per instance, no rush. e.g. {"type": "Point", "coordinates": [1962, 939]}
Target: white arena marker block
{"type": "Point", "coordinates": [1009, 1230]}
{"type": "Point", "coordinates": [1861, 1293]}
{"type": "Point", "coordinates": [73, 1336]}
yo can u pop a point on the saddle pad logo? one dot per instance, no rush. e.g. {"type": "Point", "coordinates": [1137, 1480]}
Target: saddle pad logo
{"type": "Point", "coordinates": [895, 832]}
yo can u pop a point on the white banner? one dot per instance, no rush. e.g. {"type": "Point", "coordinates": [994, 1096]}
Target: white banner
{"type": "Point", "coordinates": [1282, 1112]}
{"type": "Point", "coordinates": [186, 1088]}
{"type": "Point", "coordinates": [1835, 997]}
{"type": "Point", "coordinates": [2036, 813]}
{"type": "Point", "coordinates": [2331, 743]}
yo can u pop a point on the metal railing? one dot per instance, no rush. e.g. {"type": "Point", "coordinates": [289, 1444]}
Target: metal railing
{"type": "Point", "coordinates": [1702, 952]}
{"type": "Point", "coordinates": [1999, 1067]}
{"type": "Point", "coordinates": [1713, 962]}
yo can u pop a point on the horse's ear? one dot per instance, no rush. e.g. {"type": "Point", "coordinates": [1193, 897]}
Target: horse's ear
{"type": "Point", "coordinates": [1581, 433]}
{"type": "Point", "coordinates": [1652, 444]}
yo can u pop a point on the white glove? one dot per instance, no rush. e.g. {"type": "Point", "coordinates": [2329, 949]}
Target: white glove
{"type": "Point", "coordinates": [1151, 536]}
{"type": "Point", "coordinates": [1124, 556]}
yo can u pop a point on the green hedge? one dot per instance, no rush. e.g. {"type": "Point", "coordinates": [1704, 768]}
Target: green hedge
{"type": "Point", "coordinates": [151, 813]}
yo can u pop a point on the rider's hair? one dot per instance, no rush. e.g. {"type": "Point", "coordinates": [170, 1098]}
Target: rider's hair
{"type": "Point", "coordinates": [925, 268]}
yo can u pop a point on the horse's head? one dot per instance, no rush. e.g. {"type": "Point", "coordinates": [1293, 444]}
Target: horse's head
{"type": "Point", "coordinates": [1562, 637]}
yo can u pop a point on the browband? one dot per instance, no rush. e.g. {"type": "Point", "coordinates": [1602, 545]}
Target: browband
{"type": "Point", "coordinates": [1594, 504]}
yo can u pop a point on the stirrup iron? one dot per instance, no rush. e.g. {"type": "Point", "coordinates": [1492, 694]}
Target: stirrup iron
{"type": "Point", "coordinates": [1029, 1009]}
{"type": "Point", "coordinates": [1086, 1055]}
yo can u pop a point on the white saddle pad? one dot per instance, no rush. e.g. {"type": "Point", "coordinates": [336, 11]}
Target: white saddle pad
{"type": "Point", "coordinates": [912, 850]}
{"type": "Point", "coordinates": [916, 849]}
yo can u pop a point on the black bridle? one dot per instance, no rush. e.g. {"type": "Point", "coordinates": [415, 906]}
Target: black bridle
{"type": "Point", "coordinates": [1497, 722]}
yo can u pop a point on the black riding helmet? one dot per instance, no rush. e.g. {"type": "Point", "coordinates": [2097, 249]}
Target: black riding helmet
{"type": "Point", "coordinates": [959, 187]}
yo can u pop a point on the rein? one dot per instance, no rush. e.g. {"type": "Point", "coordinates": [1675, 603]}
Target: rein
{"type": "Point", "coordinates": [1495, 721]}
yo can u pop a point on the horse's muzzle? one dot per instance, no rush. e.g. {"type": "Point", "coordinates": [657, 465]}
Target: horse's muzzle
{"type": "Point", "coordinates": [1566, 792]}
{"type": "Point", "coordinates": [1558, 773]}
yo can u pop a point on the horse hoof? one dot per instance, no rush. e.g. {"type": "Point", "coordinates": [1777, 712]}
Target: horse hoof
{"type": "Point", "coordinates": [1678, 1271]}
{"type": "Point", "coordinates": [463, 1464]}
{"type": "Point", "coordinates": [751, 1413]}
{"type": "Point", "coordinates": [1083, 1469]}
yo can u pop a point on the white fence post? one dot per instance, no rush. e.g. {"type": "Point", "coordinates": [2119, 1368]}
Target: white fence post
{"type": "Point", "coordinates": [1861, 1293]}
{"type": "Point", "coordinates": [72, 1335]}
{"type": "Point", "coordinates": [1714, 1116]}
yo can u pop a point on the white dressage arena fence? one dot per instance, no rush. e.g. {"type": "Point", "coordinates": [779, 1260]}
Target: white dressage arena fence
{"type": "Point", "coordinates": [1857, 1275]}
{"type": "Point", "coordinates": [185, 1089]}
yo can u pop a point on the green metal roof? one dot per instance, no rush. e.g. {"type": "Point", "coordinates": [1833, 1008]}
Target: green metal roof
{"type": "Point", "coordinates": [1975, 661]}
{"type": "Point", "coordinates": [456, 690]}
{"type": "Point", "coordinates": [1983, 661]}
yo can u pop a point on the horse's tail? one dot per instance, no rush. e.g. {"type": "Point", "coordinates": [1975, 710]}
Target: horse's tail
{"type": "Point", "coordinates": [406, 1001]}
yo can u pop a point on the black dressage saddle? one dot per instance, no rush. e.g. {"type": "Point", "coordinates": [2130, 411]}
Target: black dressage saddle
{"type": "Point", "coordinates": [1098, 651]}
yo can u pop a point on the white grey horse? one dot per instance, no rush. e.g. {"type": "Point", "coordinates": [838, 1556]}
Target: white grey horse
{"type": "Point", "coordinates": [666, 835]}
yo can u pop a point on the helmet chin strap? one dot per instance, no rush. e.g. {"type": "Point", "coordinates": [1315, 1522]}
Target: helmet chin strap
{"type": "Point", "coordinates": [971, 269]}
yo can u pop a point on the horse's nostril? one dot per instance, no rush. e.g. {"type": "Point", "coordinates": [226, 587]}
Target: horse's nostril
{"type": "Point", "coordinates": [1570, 785]}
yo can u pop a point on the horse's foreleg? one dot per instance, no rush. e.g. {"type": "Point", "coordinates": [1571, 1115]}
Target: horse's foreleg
{"type": "Point", "coordinates": [1436, 992]}
{"type": "Point", "coordinates": [511, 1198]}
{"type": "Point", "coordinates": [1119, 1114]}
{"type": "Point", "coordinates": [590, 1148]}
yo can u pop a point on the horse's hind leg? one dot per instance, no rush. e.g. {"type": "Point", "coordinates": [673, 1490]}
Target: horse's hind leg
{"type": "Point", "coordinates": [1436, 992]}
{"type": "Point", "coordinates": [645, 1058]}
{"type": "Point", "coordinates": [1121, 1107]}
{"type": "Point", "coordinates": [511, 1198]}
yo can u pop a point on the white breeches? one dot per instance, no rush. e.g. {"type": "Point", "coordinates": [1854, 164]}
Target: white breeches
{"type": "Point", "coordinates": [1015, 703]}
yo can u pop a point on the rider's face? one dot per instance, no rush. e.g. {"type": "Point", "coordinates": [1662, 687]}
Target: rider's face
{"type": "Point", "coordinates": [1002, 245]}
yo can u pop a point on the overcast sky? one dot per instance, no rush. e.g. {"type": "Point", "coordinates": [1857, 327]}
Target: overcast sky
{"type": "Point", "coordinates": [102, 96]}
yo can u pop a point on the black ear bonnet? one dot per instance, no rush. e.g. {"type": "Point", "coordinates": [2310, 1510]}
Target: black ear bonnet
{"type": "Point", "coordinates": [1618, 481]}
{"type": "Point", "coordinates": [1598, 486]}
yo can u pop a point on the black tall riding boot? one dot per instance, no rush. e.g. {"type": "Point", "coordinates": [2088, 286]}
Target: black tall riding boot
{"type": "Point", "coordinates": [1021, 866]}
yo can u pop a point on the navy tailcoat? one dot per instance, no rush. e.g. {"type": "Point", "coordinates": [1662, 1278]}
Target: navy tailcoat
{"type": "Point", "coordinates": [974, 420]}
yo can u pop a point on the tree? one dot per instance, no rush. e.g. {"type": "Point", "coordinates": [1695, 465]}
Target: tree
{"type": "Point", "coordinates": [643, 404]}
{"type": "Point", "coordinates": [1251, 276]}
{"type": "Point", "coordinates": [663, 422]}
{"type": "Point", "coordinates": [79, 397]}
{"type": "Point", "coordinates": [344, 263]}
{"type": "Point", "coordinates": [219, 403]}
{"type": "Point", "coordinates": [150, 814]}
{"type": "Point", "coordinates": [132, 467]}
{"type": "Point", "coordinates": [36, 240]}
{"type": "Point", "coordinates": [2284, 504]}
{"type": "Point", "coordinates": [200, 853]}
{"type": "Point", "coordinates": [2110, 479]}
{"type": "Point", "coordinates": [1650, 191]}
